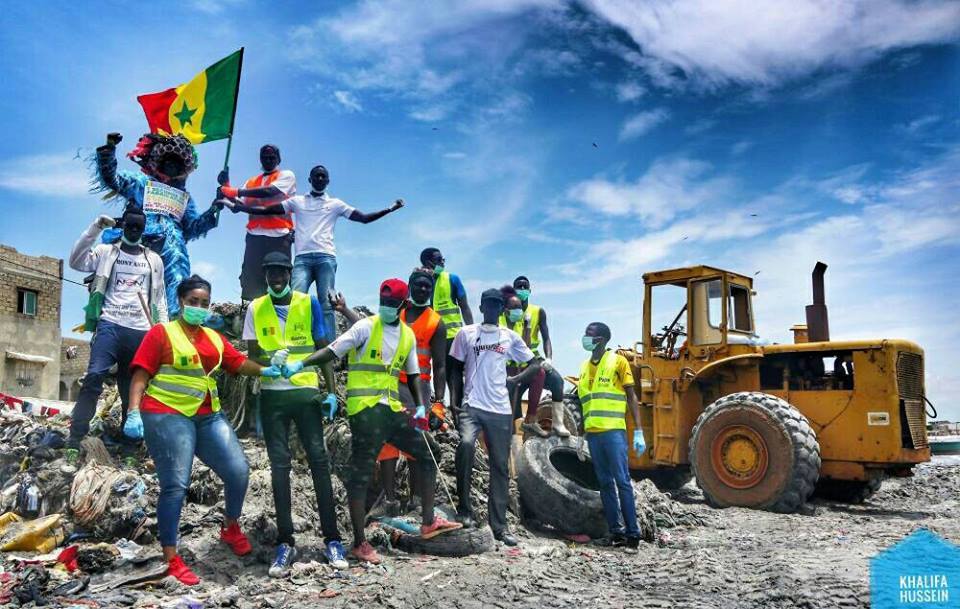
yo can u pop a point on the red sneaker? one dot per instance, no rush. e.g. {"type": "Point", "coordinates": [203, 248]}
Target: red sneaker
{"type": "Point", "coordinates": [234, 537]}
{"type": "Point", "coordinates": [365, 552]}
{"type": "Point", "coordinates": [440, 525]}
{"type": "Point", "coordinates": [182, 572]}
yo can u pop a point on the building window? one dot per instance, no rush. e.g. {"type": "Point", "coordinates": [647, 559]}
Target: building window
{"type": "Point", "coordinates": [26, 301]}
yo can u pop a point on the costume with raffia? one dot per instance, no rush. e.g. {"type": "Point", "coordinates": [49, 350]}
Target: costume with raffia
{"type": "Point", "coordinates": [163, 232]}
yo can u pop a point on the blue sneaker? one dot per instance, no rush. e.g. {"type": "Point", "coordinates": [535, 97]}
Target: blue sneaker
{"type": "Point", "coordinates": [335, 554]}
{"type": "Point", "coordinates": [286, 554]}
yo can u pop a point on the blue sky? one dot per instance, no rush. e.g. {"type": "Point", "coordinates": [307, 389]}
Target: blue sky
{"type": "Point", "coordinates": [580, 144]}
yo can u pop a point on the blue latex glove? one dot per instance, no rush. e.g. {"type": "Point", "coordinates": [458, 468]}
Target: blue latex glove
{"type": "Point", "coordinates": [133, 428]}
{"type": "Point", "coordinates": [420, 420]}
{"type": "Point", "coordinates": [271, 372]}
{"type": "Point", "coordinates": [292, 368]}
{"type": "Point", "coordinates": [331, 403]}
{"type": "Point", "coordinates": [638, 444]}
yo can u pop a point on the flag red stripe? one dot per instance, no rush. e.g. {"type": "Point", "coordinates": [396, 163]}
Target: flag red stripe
{"type": "Point", "coordinates": [157, 108]}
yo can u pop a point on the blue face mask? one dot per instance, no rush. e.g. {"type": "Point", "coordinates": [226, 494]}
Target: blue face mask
{"type": "Point", "coordinates": [126, 241]}
{"type": "Point", "coordinates": [589, 342]}
{"type": "Point", "coordinates": [389, 314]}
{"type": "Point", "coordinates": [281, 294]}
{"type": "Point", "coordinates": [195, 316]}
{"type": "Point", "coordinates": [514, 315]}
{"type": "Point", "coordinates": [523, 295]}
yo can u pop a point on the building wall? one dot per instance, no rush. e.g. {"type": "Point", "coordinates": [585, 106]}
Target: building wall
{"type": "Point", "coordinates": [37, 335]}
{"type": "Point", "coordinates": [74, 357]}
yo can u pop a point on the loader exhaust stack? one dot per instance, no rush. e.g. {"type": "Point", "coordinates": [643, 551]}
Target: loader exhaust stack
{"type": "Point", "coordinates": [818, 326]}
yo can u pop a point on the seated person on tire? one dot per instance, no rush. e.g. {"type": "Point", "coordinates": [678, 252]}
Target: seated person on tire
{"type": "Point", "coordinates": [606, 387]}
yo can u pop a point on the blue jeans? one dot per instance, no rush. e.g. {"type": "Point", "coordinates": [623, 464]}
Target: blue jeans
{"type": "Point", "coordinates": [321, 268]}
{"type": "Point", "coordinates": [112, 344]}
{"type": "Point", "coordinates": [173, 440]}
{"type": "Point", "coordinates": [608, 450]}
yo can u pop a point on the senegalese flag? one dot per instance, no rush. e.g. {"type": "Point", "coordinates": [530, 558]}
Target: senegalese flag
{"type": "Point", "coordinates": [202, 109]}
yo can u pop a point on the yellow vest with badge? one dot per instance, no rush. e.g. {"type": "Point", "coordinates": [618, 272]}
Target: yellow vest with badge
{"type": "Point", "coordinates": [369, 379]}
{"type": "Point", "coordinates": [445, 306]}
{"type": "Point", "coordinates": [297, 335]}
{"type": "Point", "coordinates": [604, 404]}
{"type": "Point", "coordinates": [184, 385]}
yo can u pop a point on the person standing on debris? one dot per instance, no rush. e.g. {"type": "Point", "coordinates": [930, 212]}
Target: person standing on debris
{"type": "Point", "coordinates": [606, 388]}
{"type": "Point", "coordinates": [265, 234]}
{"type": "Point", "coordinates": [174, 388]}
{"type": "Point", "coordinates": [316, 215]}
{"type": "Point", "coordinates": [379, 347]}
{"type": "Point", "coordinates": [480, 390]}
{"type": "Point", "coordinates": [531, 323]}
{"type": "Point", "coordinates": [431, 339]}
{"type": "Point", "coordinates": [449, 297]}
{"type": "Point", "coordinates": [127, 297]}
{"type": "Point", "coordinates": [282, 327]}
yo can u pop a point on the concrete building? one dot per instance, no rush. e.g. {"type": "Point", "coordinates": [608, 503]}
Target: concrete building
{"type": "Point", "coordinates": [30, 289]}
{"type": "Point", "coordinates": [74, 357]}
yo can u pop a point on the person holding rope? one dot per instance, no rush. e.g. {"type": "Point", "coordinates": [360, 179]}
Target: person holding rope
{"type": "Point", "coordinates": [174, 388]}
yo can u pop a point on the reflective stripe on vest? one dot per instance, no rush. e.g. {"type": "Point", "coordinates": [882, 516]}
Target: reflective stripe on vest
{"type": "Point", "coordinates": [297, 335]}
{"type": "Point", "coordinates": [272, 221]}
{"type": "Point", "coordinates": [604, 405]}
{"type": "Point", "coordinates": [445, 306]}
{"type": "Point", "coordinates": [183, 385]}
{"type": "Point", "coordinates": [423, 330]}
{"type": "Point", "coordinates": [369, 379]}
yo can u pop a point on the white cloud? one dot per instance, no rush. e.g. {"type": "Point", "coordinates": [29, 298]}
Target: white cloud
{"type": "Point", "coordinates": [348, 101]}
{"type": "Point", "coordinates": [700, 126]}
{"type": "Point", "coordinates": [207, 270]}
{"type": "Point", "coordinates": [741, 147]}
{"type": "Point", "coordinates": [215, 7]}
{"type": "Point", "coordinates": [49, 175]}
{"type": "Point", "coordinates": [455, 155]}
{"type": "Point", "coordinates": [643, 123]}
{"type": "Point", "coordinates": [717, 42]}
{"type": "Point", "coordinates": [629, 91]}
{"type": "Point", "coordinates": [918, 124]}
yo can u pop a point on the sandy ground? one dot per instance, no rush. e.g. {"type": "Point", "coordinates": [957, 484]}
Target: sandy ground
{"type": "Point", "coordinates": [737, 558]}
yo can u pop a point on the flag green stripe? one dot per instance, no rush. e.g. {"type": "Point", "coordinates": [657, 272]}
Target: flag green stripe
{"type": "Point", "coordinates": [220, 97]}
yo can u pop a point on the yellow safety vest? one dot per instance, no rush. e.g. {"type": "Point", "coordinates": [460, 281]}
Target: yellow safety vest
{"type": "Point", "coordinates": [184, 385]}
{"type": "Point", "coordinates": [444, 304]}
{"type": "Point", "coordinates": [297, 335]}
{"type": "Point", "coordinates": [604, 404]}
{"type": "Point", "coordinates": [369, 380]}
{"type": "Point", "coordinates": [517, 327]}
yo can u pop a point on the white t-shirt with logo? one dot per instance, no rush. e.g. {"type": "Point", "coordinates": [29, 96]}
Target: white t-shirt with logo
{"type": "Point", "coordinates": [316, 217]}
{"type": "Point", "coordinates": [359, 334]}
{"type": "Point", "coordinates": [485, 351]}
{"type": "Point", "coordinates": [121, 305]}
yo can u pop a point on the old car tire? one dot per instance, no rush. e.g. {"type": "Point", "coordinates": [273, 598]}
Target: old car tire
{"type": "Point", "coordinates": [665, 478]}
{"type": "Point", "coordinates": [461, 542]}
{"type": "Point", "coordinates": [558, 489]}
{"type": "Point", "coordinates": [847, 491]}
{"type": "Point", "coordinates": [752, 449]}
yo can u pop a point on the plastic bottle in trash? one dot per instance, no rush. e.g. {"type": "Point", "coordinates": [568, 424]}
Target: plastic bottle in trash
{"type": "Point", "coordinates": [28, 498]}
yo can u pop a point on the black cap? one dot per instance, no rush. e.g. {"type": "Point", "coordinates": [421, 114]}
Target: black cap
{"type": "Point", "coordinates": [277, 259]}
{"type": "Point", "coordinates": [492, 294]}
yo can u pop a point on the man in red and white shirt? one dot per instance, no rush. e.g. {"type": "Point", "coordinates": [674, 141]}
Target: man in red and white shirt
{"type": "Point", "coordinates": [265, 234]}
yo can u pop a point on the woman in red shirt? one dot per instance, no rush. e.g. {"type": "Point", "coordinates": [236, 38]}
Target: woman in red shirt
{"type": "Point", "coordinates": [174, 406]}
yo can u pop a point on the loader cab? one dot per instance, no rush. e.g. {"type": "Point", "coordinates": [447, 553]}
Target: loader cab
{"type": "Point", "coordinates": [696, 312]}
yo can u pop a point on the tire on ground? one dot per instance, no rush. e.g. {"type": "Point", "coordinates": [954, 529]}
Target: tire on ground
{"type": "Point", "coordinates": [789, 445]}
{"type": "Point", "coordinates": [461, 542]}
{"type": "Point", "coordinates": [665, 478]}
{"type": "Point", "coordinates": [847, 491]}
{"type": "Point", "coordinates": [559, 490]}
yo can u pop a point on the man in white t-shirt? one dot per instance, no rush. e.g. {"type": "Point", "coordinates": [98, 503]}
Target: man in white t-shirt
{"type": "Point", "coordinates": [265, 234]}
{"type": "Point", "coordinates": [480, 389]}
{"type": "Point", "coordinates": [316, 215]}
{"type": "Point", "coordinates": [126, 298]}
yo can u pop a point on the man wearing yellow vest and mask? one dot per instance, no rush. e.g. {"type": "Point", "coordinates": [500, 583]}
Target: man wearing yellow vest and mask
{"type": "Point", "coordinates": [449, 298]}
{"type": "Point", "coordinates": [606, 388]}
{"type": "Point", "coordinates": [282, 327]}
{"type": "Point", "coordinates": [378, 349]}
{"type": "Point", "coordinates": [173, 385]}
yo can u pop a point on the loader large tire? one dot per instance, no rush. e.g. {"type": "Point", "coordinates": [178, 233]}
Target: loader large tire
{"type": "Point", "coordinates": [559, 490]}
{"type": "Point", "coordinates": [847, 491]}
{"type": "Point", "coordinates": [664, 478]}
{"type": "Point", "coordinates": [755, 450]}
{"type": "Point", "coordinates": [460, 542]}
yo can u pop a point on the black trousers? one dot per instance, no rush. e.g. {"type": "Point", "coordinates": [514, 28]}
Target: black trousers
{"type": "Point", "coordinates": [498, 431]}
{"type": "Point", "coordinates": [278, 409]}
{"type": "Point", "coordinates": [253, 282]}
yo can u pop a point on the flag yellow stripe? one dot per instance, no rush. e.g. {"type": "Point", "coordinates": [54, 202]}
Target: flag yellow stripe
{"type": "Point", "coordinates": [190, 106]}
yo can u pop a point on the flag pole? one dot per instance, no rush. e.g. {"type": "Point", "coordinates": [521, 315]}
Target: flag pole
{"type": "Point", "coordinates": [236, 96]}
